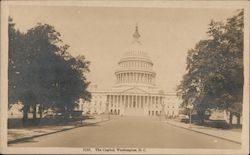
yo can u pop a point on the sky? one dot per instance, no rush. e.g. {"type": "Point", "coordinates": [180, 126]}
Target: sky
{"type": "Point", "coordinates": [103, 34]}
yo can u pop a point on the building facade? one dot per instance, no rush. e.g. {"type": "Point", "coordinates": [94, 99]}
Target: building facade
{"type": "Point", "coordinates": [135, 92]}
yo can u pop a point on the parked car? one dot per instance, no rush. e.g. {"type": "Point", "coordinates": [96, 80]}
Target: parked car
{"type": "Point", "coordinates": [183, 118]}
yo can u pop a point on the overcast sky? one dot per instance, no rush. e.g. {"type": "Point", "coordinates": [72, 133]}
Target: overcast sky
{"type": "Point", "coordinates": [103, 34]}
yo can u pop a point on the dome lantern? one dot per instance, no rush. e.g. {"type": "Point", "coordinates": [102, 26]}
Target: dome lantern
{"type": "Point", "coordinates": [135, 67]}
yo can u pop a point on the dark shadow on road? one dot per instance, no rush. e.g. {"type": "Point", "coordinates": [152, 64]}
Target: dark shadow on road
{"type": "Point", "coordinates": [17, 123]}
{"type": "Point", "coordinates": [27, 140]}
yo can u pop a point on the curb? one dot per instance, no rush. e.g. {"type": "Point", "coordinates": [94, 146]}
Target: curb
{"type": "Point", "coordinates": [205, 133]}
{"type": "Point", "coordinates": [27, 138]}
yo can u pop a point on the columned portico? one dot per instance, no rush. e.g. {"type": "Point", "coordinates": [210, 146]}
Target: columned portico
{"type": "Point", "coordinates": [135, 104]}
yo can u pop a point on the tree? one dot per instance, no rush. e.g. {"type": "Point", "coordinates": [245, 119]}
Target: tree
{"type": "Point", "coordinates": [16, 40]}
{"type": "Point", "coordinates": [233, 36]}
{"type": "Point", "coordinates": [214, 77]}
{"type": "Point", "coordinates": [48, 74]}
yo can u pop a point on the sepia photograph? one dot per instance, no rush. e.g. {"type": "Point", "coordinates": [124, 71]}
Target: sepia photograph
{"type": "Point", "coordinates": [144, 77]}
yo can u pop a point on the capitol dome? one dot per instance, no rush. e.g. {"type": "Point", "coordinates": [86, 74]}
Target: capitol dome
{"type": "Point", "coordinates": [135, 67]}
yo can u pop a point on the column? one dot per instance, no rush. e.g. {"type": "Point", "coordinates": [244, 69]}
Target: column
{"type": "Point", "coordinates": [129, 101]}
{"type": "Point", "coordinates": [119, 101]}
{"type": "Point", "coordinates": [131, 80]}
{"type": "Point", "coordinates": [139, 101]}
{"type": "Point", "coordinates": [111, 100]}
{"type": "Point", "coordinates": [116, 100]}
{"type": "Point", "coordinates": [133, 101]}
{"type": "Point", "coordinates": [132, 98]}
{"type": "Point", "coordinates": [126, 101]}
{"type": "Point", "coordinates": [149, 102]}
{"type": "Point", "coordinates": [135, 74]}
{"type": "Point", "coordinates": [122, 101]}
{"type": "Point", "coordinates": [136, 77]}
{"type": "Point", "coordinates": [154, 101]}
{"type": "Point", "coordinates": [157, 101]}
{"type": "Point", "coordinates": [130, 77]}
{"type": "Point", "coordinates": [139, 77]}
{"type": "Point", "coordinates": [133, 77]}
{"type": "Point", "coordinates": [142, 101]}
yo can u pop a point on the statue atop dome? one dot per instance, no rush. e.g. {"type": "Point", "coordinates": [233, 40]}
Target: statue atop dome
{"type": "Point", "coordinates": [136, 35]}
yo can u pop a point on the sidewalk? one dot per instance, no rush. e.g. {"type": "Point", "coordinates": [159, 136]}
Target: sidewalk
{"type": "Point", "coordinates": [16, 135]}
{"type": "Point", "coordinates": [230, 135]}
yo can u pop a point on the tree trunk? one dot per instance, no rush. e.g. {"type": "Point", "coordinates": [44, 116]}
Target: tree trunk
{"type": "Point", "coordinates": [41, 112]}
{"type": "Point", "coordinates": [25, 112]}
{"type": "Point", "coordinates": [34, 112]}
{"type": "Point", "coordinates": [230, 118]}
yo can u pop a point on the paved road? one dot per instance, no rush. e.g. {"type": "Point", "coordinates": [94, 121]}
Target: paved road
{"type": "Point", "coordinates": [130, 132]}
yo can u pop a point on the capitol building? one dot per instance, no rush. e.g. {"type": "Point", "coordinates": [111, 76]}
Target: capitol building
{"type": "Point", "coordinates": [135, 92]}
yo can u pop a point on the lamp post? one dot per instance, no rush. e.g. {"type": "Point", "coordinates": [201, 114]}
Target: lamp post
{"type": "Point", "coordinates": [190, 107]}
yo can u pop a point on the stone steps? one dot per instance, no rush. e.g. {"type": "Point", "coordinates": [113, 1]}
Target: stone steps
{"type": "Point", "coordinates": [134, 112]}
